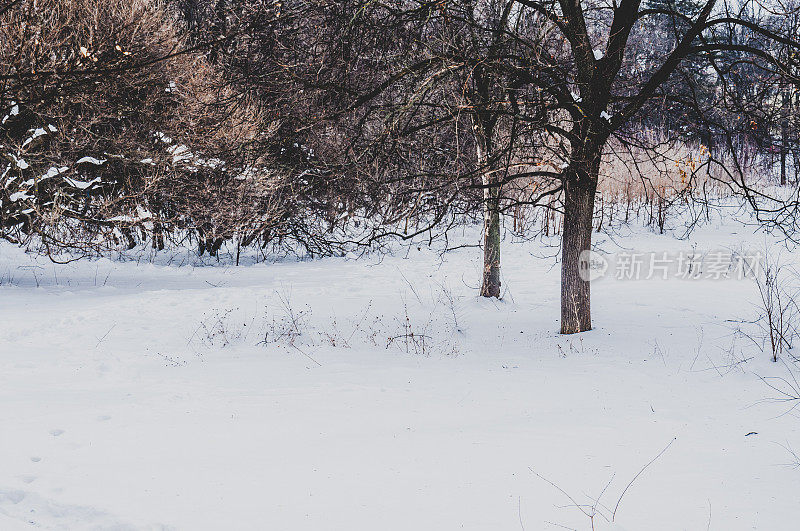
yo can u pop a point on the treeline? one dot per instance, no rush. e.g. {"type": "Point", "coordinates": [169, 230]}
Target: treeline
{"type": "Point", "coordinates": [326, 124]}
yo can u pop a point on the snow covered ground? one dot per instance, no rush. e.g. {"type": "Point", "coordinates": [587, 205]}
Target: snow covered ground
{"type": "Point", "coordinates": [382, 393]}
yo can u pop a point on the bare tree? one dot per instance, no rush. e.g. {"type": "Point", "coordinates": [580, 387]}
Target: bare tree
{"type": "Point", "coordinates": [572, 69]}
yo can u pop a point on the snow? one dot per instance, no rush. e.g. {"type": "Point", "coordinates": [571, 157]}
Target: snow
{"type": "Point", "coordinates": [180, 153]}
{"type": "Point", "coordinates": [144, 395]}
{"type": "Point", "coordinates": [81, 185]}
{"type": "Point", "coordinates": [21, 163]}
{"type": "Point", "coordinates": [53, 172]}
{"type": "Point", "coordinates": [35, 133]}
{"type": "Point", "coordinates": [13, 112]}
{"type": "Point", "coordinates": [214, 163]}
{"type": "Point", "coordinates": [598, 54]}
{"type": "Point", "coordinates": [141, 215]}
{"type": "Point", "coordinates": [17, 196]}
{"type": "Point", "coordinates": [90, 160]}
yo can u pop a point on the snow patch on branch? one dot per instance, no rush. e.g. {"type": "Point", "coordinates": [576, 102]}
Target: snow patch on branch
{"type": "Point", "coordinates": [53, 172]}
{"type": "Point", "coordinates": [90, 160]}
{"type": "Point", "coordinates": [19, 161]}
{"type": "Point", "coordinates": [81, 185]}
{"type": "Point", "coordinates": [13, 112]}
{"type": "Point", "coordinates": [18, 196]}
{"type": "Point", "coordinates": [36, 133]}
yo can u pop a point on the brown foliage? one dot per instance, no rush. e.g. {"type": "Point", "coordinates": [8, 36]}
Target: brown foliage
{"type": "Point", "coordinates": [116, 82]}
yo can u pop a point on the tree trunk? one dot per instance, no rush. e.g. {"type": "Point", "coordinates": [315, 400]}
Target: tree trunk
{"type": "Point", "coordinates": [784, 133]}
{"type": "Point", "coordinates": [490, 284]}
{"type": "Point", "coordinates": [490, 287]}
{"type": "Point", "coordinates": [580, 185]}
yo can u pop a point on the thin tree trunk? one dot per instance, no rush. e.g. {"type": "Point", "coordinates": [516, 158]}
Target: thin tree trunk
{"type": "Point", "coordinates": [158, 237]}
{"type": "Point", "coordinates": [580, 185]}
{"type": "Point", "coordinates": [784, 133]}
{"type": "Point", "coordinates": [490, 283]}
{"type": "Point", "coordinates": [490, 287]}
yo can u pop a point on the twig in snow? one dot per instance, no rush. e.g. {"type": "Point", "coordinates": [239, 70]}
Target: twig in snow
{"type": "Point", "coordinates": [580, 507]}
{"type": "Point", "coordinates": [304, 354]}
{"type": "Point", "coordinates": [614, 514]}
{"type": "Point", "coordinates": [105, 335]}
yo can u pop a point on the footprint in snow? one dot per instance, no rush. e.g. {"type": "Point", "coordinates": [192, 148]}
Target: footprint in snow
{"type": "Point", "coordinates": [56, 433]}
{"type": "Point", "coordinates": [36, 459]}
{"type": "Point", "coordinates": [103, 418]}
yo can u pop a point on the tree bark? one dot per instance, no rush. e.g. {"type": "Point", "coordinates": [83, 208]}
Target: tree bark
{"type": "Point", "coordinates": [490, 287]}
{"type": "Point", "coordinates": [580, 185]}
{"type": "Point", "coordinates": [490, 283]}
{"type": "Point", "coordinates": [784, 132]}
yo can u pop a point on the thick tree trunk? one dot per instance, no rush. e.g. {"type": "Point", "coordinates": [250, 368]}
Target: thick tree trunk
{"type": "Point", "coordinates": [580, 185]}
